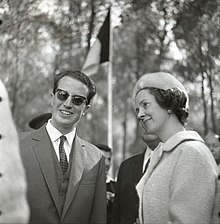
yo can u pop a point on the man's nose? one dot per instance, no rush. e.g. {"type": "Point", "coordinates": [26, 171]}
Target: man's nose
{"type": "Point", "coordinates": [68, 102]}
{"type": "Point", "coordinates": [107, 162]}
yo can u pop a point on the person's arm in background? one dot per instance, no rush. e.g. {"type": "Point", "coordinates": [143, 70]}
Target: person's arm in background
{"type": "Point", "coordinates": [116, 203]}
{"type": "Point", "coordinates": [13, 203]}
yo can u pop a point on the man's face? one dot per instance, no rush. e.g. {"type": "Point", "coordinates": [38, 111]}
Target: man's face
{"type": "Point", "coordinates": [66, 114]}
{"type": "Point", "coordinates": [213, 144]}
{"type": "Point", "coordinates": [107, 161]}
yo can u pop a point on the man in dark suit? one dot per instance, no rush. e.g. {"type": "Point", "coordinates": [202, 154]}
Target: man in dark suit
{"type": "Point", "coordinates": [110, 183]}
{"type": "Point", "coordinates": [125, 206]}
{"type": "Point", "coordinates": [65, 174]}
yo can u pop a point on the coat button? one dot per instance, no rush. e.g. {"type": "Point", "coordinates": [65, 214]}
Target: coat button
{"type": "Point", "coordinates": [0, 136]}
{"type": "Point", "coordinates": [0, 174]}
{"type": "Point", "coordinates": [0, 212]}
{"type": "Point", "coordinates": [0, 99]}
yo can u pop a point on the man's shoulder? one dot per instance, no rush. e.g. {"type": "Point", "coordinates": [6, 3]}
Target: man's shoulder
{"type": "Point", "coordinates": [90, 149]}
{"type": "Point", "coordinates": [30, 135]}
{"type": "Point", "coordinates": [131, 162]}
{"type": "Point", "coordinates": [133, 158]}
{"type": "Point", "coordinates": [24, 135]}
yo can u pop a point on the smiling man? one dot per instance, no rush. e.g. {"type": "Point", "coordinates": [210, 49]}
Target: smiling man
{"type": "Point", "coordinates": [65, 174]}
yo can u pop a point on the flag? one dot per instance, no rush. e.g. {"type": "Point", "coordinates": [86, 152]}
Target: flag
{"type": "Point", "coordinates": [99, 51]}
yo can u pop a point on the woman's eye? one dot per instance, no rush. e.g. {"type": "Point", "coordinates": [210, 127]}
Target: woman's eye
{"type": "Point", "coordinates": [145, 104]}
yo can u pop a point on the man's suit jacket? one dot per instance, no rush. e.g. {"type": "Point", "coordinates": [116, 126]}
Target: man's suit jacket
{"type": "Point", "coordinates": [125, 206]}
{"type": "Point", "coordinates": [110, 188]}
{"type": "Point", "coordinates": [86, 194]}
{"type": "Point", "coordinates": [13, 201]}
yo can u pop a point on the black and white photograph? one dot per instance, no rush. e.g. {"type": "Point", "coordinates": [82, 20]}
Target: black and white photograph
{"type": "Point", "coordinates": [109, 112]}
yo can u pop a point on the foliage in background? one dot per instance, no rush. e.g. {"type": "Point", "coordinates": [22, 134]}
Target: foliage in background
{"type": "Point", "coordinates": [39, 38]}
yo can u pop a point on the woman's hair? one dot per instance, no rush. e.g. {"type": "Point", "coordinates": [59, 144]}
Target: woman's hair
{"type": "Point", "coordinates": [174, 100]}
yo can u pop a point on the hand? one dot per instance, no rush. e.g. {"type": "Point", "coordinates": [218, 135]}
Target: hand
{"type": "Point", "coordinates": [110, 196]}
{"type": "Point", "coordinates": [137, 221]}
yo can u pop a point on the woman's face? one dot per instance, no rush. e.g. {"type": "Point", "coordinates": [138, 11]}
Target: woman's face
{"type": "Point", "coordinates": [152, 117]}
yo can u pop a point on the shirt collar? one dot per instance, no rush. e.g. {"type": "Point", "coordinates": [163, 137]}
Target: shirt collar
{"type": "Point", "coordinates": [55, 134]}
{"type": "Point", "coordinates": [109, 178]}
{"type": "Point", "coordinates": [148, 152]}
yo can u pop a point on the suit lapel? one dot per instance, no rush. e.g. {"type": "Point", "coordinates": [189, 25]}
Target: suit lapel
{"type": "Point", "coordinates": [137, 167]}
{"type": "Point", "coordinates": [155, 158]}
{"type": "Point", "coordinates": [78, 164]}
{"type": "Point", "coordinates": [43, 149]}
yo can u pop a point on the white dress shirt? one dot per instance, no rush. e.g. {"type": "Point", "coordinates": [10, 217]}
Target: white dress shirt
{"type": "Point", "coordinates": [147, 156]}
{"type": "Point", "coordinates": [54, 135]}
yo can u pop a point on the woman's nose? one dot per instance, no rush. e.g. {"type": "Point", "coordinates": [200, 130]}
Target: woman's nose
{"type": "Point", "coordinates": [140, 113]}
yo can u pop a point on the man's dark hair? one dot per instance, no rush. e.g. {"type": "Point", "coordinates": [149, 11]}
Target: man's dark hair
{"type": "Point", "coordinates": [80, 76]}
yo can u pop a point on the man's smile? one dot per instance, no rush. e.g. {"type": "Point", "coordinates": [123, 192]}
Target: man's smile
{"type": "Point", "coordinates": [65, 112]}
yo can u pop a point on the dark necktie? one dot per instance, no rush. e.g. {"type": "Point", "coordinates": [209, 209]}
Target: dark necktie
{"type": "Point", "coordinates": [63, 158]}
{"type": "Point", "coordinates": [146, 165]}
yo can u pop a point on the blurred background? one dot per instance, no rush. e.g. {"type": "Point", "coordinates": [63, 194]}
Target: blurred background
{"type": "Point", "coordinates": [39, 38]}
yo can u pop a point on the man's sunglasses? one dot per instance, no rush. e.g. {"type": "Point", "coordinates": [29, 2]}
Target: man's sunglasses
{"type": "Point", "coordinates": [75, 99]}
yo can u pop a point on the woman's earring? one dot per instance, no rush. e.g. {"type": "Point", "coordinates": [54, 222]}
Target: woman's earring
{"type": "Point", "coordinates": [169, 111]}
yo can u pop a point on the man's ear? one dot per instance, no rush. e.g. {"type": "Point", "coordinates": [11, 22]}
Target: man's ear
{"type": "Point", "coordinates": [51, 97]}
{"type": "Point", "coordinates": [86, 109]}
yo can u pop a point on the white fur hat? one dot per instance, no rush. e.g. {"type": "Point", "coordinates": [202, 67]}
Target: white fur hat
{"type": "Point", "coordinates": [161, 80]}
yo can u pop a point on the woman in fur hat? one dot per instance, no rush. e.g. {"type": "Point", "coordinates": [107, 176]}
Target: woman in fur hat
{"type": "Point", "coordinates": [181, 180]}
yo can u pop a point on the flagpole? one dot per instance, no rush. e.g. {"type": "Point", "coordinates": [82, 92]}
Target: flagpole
{"type": "Point", "coordinates": [110, 104]}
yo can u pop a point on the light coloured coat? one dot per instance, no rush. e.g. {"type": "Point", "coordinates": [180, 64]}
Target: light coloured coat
{"type": "Point", "coordinates": [216, 214]}
{"type": "Point", "coordinates": [180, 183]}
{"type": "Point", "coordinates": [13, 203]}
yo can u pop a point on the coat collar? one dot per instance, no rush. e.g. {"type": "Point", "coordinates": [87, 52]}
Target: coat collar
{"type": "Point", "coordinates": [180, 137]}
{"type": "Point", "coordinates": [42, 148]}
{"type": "Point", "coordinates": [171, 144]}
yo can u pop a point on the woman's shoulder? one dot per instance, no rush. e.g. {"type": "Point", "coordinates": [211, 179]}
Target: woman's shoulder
{"type": "Point", "coordinates": [184, 140]}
